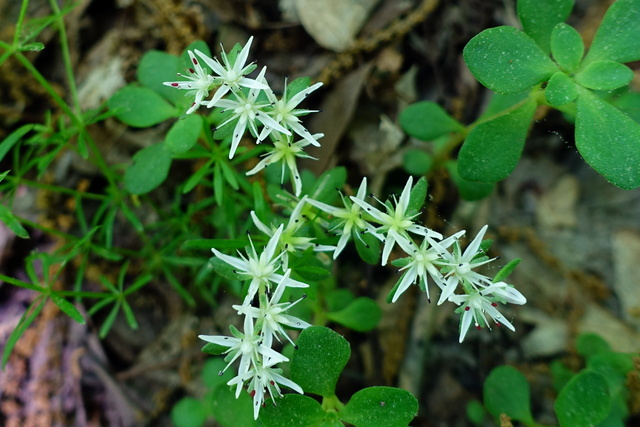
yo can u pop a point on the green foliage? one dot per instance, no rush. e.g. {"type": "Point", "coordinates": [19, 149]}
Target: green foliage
{"type": "Point", "coordinates": [427, 121]}
{"type": "Point", "coordinates": [584, 400]}
{"type": "Point", "coordinates": [140, 106]}
{"type": "Point", "coordinates": [293, 410]}
{"type": "Point", "coordinates": [362, 314]}
{"type": "Point", "coordinates": [596, 395]}
{"type": "Point", "coordinates": [417, 162]}
{"type": "Point", "coordinates": [319, 360]}
{"type": "Point", "coordinates": [539, 18]}
{"type": "Point", "coordinates": [507, 61]}
{"type": "Point", "coordinates": [149, 169]}
{"type": "Point", "coordinates": [545, 64]}
{"type": "Point", "coordinates": [380, 407]}
{"type": "Point", "coordinates": [506, 391]}
{"type": "Point", "coordinates": [493, 148]}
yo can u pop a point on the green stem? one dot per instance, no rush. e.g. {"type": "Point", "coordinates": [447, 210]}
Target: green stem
{"type": "Point", "coordinates": [63, 190]}
{"type": "Point", "coordinates": [23, 13]}
{"type": "Point", "coordinates": [66, 57]}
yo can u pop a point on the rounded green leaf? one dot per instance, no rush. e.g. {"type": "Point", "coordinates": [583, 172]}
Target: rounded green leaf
{"type": "Point", "coordinates": [560, 90]}
{"type": "Point", "coordinates": [604, 75]}
{"type": "Point", "coordinates": [492, 149]}
{"type": "Point", "coordinates": [367, 245]}
{"type": "Point", "coordinates": [319, 360]}
{"type": "Point", "coordinates": [608, 140]}
{"type": "Point", "coordinates": [380, 407]}
{"type": "Point", "coordinates": [229, 411]}
{"type": "Point", "coordinates": [618, 37]}
{"type": "Point", "coordinates": [140, 106]}
{"type": "Point", "coordinates": [363, 314]}
{"type": "Point", "coordinates": [149, 169]}
{"type": "Point", "coordinates": [293, 410]}
{"type": "Point", "coordinates": [417, 162]}
{"type": "Point", "coordinates": [590, 344]}
{"type": "Point", "coordinates": [189, 412]}
{"type": "Point", "coordinates": [567, 47]}
{"type": "Point", "coordinates": [427, 121]}
{"type": "Point", "coordinates": [584, 401]}
{"type": "Point", "coordinates": [469, 190]}
{"type": "Point", "coordinates": [506, 391]}
{"type": "Point", "coordinates": [539, 17]}
{"type": "Point", "coordinates": [184, 134]}
{"type": "Point", "coordinates": [157, 67]}
{"type": "Point", "coordinates": [506, 60]}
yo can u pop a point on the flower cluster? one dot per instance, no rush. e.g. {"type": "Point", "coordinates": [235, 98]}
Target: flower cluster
{"type": "Point", "coordinates": [249, 103]}
{"type": "Point", "coordinates": [253, 346]}
{"type": "Point", "coordinates": [429, 261]}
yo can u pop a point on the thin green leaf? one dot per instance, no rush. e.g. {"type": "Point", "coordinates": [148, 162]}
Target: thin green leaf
{"type": "Point", "coordinates": [12, 223]}
{"type": "Point", "coordinates": [68, 308]}
{"type": "Point", "coordinates": [25, 321]}
{"type": "Point", "coordinates": [128, 314]}
{"type": "Point", "coordinates": [13, 138]}
{"type": "Point", "coordinates": [108, 322]}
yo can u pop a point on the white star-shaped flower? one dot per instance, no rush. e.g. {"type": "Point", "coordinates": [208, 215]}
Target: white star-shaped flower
{"type": "Point", "coordinates": [261, 269]}
{"type": "Point", "coordinates": [246, 110]}
{"type": "Point", "coordinates": [286, 152]}
{"type": "Point", "coordinates": [461, 267]}
{"type": "Point", "coordinates": [244, 345]}
{"type": "Point", "coordinates": [231, 76]}
{"type": "Point", "coordinates": [421, 263]}
{"type": "Point", "coordinates": [350, 218]}
{"type": "Point", "coordinates": [271, 317]}
{"type": "Point", "coordinates": [395, 222]}
{"type": "Point", "coordinates": [474, 306]}
{"type": "Point", "coordinates": [285, 113]}
{"type": "Point", "coordinates": [199, 84]}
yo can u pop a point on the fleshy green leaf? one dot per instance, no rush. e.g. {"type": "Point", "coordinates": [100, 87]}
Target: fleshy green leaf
{"type": "Point", "coordinates": [140, 106]}
{"type": "Point", "coordinates": [380, 407]}
{"type": "Point", "coordinates": [417, 196]}
{"type": "Point", "coordinates": [189, 412]}
{"type": "Point", "coordinates": [319, 360]}
{"type": "Point", "coordinates": [506, 391]}
{"type": "Point", "coordinates": [368, 248]}
{"type": "Point", "coordinates": [589, 344]}
{"type": "Point", "coordinates": [67, 308]}
{"type": "Point", "coordinates": [184, 134]}
{"type": "Point", "coordinates": [214, 349]}
{"type": "Point", "coordinates": [539, 17]}
{"type": "Point", "coordinates": [560, 90]}
{"type": "Point", "coordinates": [506, 60]}
{"type": "Point", "coordinates": [417, 162]}
{"type": "Point", "coordinates": [292, 410]}
{"type": "Point", "coordinates": [567, 46]}
{"type": "Point", "coordinates": [297, 86]}
{"type": "Point", "coordinates": [618, 37]}
{"type": "Point", "coordinates": [469, 190]}
{"type": "Point", "coordinates": [157, 67]}
{"type": "Point", "coordinates": [608, 140]}
{"type": "Point", "coordinates": [229, 411]}
{"type": "Point", "coordinates": [149, 169]}
{"type": "Point", "coordinates": [584, 401]}
{"type": "Point", "coordinates": [492, 149]}
{"type": "Point", "coordinates": [604, 75]}
{"type": "Point", "coordinates": [426, 121]}
{"type": "Point", "coordinates": [362, 315]}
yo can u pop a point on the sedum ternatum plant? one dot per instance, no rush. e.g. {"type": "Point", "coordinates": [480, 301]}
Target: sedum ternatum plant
{"type": "Point", "coordinates": [272, 271]}
{"type": "Point", "coordinates": [273, 231]}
